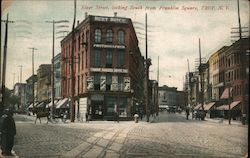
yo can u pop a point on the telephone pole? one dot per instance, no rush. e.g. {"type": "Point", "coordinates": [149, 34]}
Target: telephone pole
{"type": "Point", "coordinates": [33, 80]}
{"type": "Point", "coordinates": [72, 116]}
{"type": "Point", "coordinates": [4, 62]}
{"type": "Point", "coordinates": [53, 66]}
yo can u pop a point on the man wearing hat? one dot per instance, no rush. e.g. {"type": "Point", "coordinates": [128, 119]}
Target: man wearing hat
{"type": "Point", "coordinates": [8, 131]}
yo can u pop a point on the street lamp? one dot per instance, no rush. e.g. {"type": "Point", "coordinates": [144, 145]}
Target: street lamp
{"type": "Point", "coordinates": [53, 55]}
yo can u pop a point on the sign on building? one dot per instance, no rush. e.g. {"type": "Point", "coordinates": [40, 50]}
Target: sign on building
{"type": "Point", "coordinates": [126, 84]}
{"type": "Point", "coordinates": [90, 83]}
{"type": "Point", "coordinates": [103, 83]}
{"type": "Point", "coordinates": [114, 85]}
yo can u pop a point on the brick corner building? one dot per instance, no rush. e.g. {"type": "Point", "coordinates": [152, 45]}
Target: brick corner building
{"type": "Point", "coordinates": [108, 67]}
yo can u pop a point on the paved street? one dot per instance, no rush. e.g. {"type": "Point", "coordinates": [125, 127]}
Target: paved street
{"type": "Point", "coordinates": [169, 135]}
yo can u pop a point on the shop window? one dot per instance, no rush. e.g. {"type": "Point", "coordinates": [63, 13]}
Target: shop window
{"type": "Point", "coordinates": [98, 35]}
{"type": "Point", "coordinates": [109, 36]}
{"type": "Point", "coordinates": [121, 37]}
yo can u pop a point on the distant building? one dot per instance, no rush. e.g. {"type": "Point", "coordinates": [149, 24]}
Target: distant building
{"type": "Point", "coordinates": [214, 75]}
{"type": "Point", "coordinates": [20, 91]}
{"type": "Point", "coordinates": [171, 97]}
{"type": "Point", "coordinates": [153, 93]}
{"type": "Point", "coordinates": [44, 83]}
{"type": "Point", "coordinates": [108, 67]}
{"type": "Point", "coordinates": [57, 75]}
{"type": "Point", "coordinates": [30, 88]}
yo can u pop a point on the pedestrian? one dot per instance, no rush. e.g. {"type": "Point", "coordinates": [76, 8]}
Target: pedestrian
{"type": "Point", "coordinates": [8, 131]}
{"type": "Point", "coordinates": [87, 117]}
{"type": "Point", "coordinates": [187, 112]}
{"type": "Point", "coordinates": [116, 114]}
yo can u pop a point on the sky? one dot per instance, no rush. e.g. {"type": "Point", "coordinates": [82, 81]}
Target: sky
{"type": "Point", "coordinates": [174, 29]}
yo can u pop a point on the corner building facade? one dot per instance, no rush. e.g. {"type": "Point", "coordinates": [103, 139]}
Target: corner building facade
{"type": "Point", "coordinates": [108, 67]}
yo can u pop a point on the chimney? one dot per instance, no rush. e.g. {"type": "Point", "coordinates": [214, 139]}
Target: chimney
{"type": "Point", "coordinates": [115, 14]}
{"type": "Point", "coordinates": [86, 15]}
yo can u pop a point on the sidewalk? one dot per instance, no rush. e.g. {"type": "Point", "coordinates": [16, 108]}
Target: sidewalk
{"type": "Point", "coordinates": [225, 121]}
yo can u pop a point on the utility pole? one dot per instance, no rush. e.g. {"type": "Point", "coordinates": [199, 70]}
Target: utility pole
{"type": "Point", "coordinates": [33, 79]}
{"type": "Point", "coordinates": [72, 68]}
{"type": "Point", "coordinates": [53, 66]}
{"type": "Point", "coordinates": [147, 97]}
{"type": "Point", "coordinates": [201, 73]}
{"type": "Point", "coordinates": [189, 84]}
{"type": "Point", "coordinates": [4, 62]}
{"type": "Point", "coordinates": [238, 4]}
{"type": "Point", "coordinates": [21, 66]}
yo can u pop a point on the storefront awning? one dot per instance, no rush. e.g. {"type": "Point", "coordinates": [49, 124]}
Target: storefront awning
{"type": "Point", "coordinates": [197, 107]}
{"type": "Point", "coordinates": [226, 107]}
{"type": "Point", "coordinates": [40, 105]}
{"type": "Point", "coordinates": [50, 104]}
{"type": "Point", "coordinates": [234, 104]}
{"type": "Point", "coordinates": [225, 94]}
{"type": "Point", "coordinates": [31, 105]}
{"type": "Point", "coordinates": [62, 103]}
{"type": "Point", "coordinates": [223, 107]}
{"type": "Point", "coordinates": [209, 106]}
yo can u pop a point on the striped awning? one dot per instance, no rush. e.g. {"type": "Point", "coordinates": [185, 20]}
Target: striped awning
{"type": "Point", "coordinates": [209, 106]}
{"type": "Point", "coordinates": [197, 107]}
{"type": "Point", "coordinates": [226, 107]}
{"type": "Point", "coordinates": [62, 103]}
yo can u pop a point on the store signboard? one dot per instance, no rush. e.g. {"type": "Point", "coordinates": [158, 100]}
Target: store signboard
{"type": "Point", "coordinates": [109, 46]}
{"type": "Point", "coordinates": [109, 70]}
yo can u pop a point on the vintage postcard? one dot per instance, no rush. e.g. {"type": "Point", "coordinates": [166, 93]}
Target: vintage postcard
{"type": "Point", "coordinates": [126, 78]}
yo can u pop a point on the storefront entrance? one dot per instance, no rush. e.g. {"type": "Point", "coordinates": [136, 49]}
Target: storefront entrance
{"type": "Point", "coordinates": [97, 110]}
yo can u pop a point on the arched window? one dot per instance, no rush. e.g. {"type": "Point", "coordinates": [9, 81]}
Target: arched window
{"type": "Point", "coordinates": [121, 37]}
{"type": "Point", "coordinates": [109, 35]}
{"type": "Point", "coordinates": [98, 35]}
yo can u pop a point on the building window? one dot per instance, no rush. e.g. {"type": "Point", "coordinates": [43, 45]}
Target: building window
{"type": "Point", "coordinates": [98, 35]}
{"type": "Point", "coordinates": [97, 58]}
{"type": "Point", "coordinates": [97, 77]}
{"type": "Point", "coordinates": [109, 36]}
{"type": "Point", "coordinates": [121, 37]}
{"type": "Point", "coordinates": [79, 42]}
{"type": "Point", "coordinates": [108, 81]}
{"type": "Point", "coordinates": [109, 59]}
{"type": "Point", "coordinates": [120, 58]}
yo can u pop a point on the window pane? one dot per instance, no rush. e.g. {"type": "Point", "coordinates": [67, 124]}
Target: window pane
{"type": "Point", "coordinates": [120, 58]}
{"type": "Point", "coordinates": [98, 35]}
{"type": "Point", "coordinates": [109, 59]}
{"type": "Point", "coordinates": [109, 35]}
{"type": "Point", "coordinates": [120, 37]}
{"type": "Point", "coordinates": [97, 58]}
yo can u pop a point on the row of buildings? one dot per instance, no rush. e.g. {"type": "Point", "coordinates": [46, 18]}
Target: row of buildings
{"type": "Point", "coordinates": [226, 81]}
{"type": "Point", "coordinates": [108, 71]}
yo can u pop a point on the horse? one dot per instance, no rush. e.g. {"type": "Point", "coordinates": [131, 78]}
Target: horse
{"type": "Point", "coordinates": [40, 114]}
